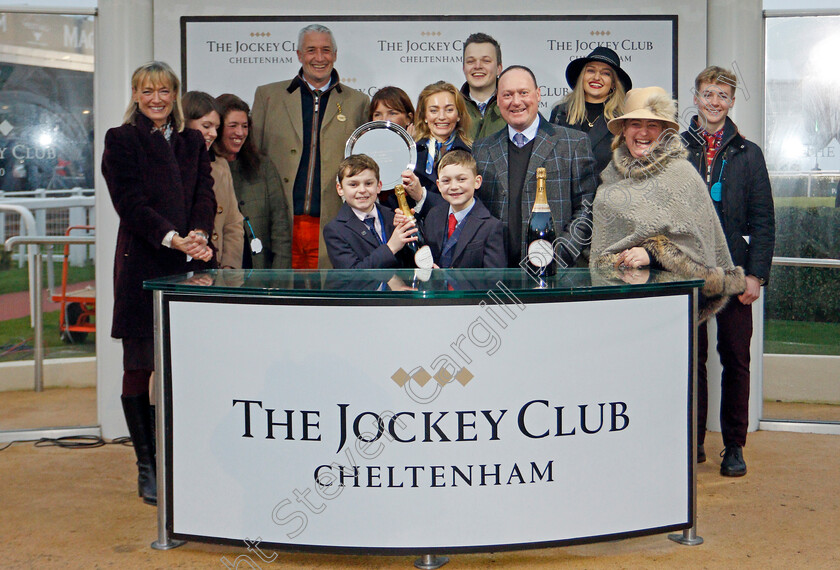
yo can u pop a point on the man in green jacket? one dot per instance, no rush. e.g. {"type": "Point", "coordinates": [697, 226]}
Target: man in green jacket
{"type": "Point", "coordinates": [482, 66]}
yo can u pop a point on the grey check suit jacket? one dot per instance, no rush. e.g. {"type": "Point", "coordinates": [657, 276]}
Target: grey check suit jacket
{"type": "Point", "coordinates": [570, 183]}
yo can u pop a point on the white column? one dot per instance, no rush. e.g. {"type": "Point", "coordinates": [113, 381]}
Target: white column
{"type": "Point", "coordinates": [735, 40]}
{"type": "Point", "coordinates": [123, 41]}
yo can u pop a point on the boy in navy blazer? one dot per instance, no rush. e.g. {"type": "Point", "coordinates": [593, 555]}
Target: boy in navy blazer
{"type": "Point", "coordinates": [363, 235]}
{"type": "Point", "coordinates": [462, 232]}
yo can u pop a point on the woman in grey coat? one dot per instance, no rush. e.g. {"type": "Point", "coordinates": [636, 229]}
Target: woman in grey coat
{"type": "Point", "coordinates": [653, 209]}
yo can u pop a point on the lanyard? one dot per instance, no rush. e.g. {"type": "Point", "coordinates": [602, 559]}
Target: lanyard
{"type": "Point", "coordinates": [716, 190]}
{"type": "Point", "coordinates": [381, 224]}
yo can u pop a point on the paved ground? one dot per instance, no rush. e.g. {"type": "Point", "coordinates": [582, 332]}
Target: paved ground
{"type": "Point", "coordinates": [79, 509]}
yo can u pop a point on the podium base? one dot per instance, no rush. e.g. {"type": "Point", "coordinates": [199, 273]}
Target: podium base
{"type": "Point", "coordinates": [687, 538]}
{"type": "Point", "coordinates": [430, 562]}
{"type": "Point", "coordinates": [169, 545]}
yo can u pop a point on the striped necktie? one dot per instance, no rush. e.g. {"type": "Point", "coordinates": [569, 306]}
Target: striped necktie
{"type": "Point", "coordinates": [371, 223]}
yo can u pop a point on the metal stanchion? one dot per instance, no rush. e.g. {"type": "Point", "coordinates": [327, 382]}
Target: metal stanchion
{"type": "Point", "coordinates": [164, 541]}
{"type": "Point", "coordinates": [38, 315]}
{"type": "Point", "coordinates": [36, 286]}
{"type": "Point", "coordinates": [430, 562]}
{"type": "Point", "coordinates": [689, 537]}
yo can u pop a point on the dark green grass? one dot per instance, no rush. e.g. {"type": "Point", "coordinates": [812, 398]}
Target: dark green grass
{"type": "Point", "coordinates": [16, 279]}
{"type": "Point", "coordinates": [795, 337]}
{"type": "Point", "coordinates": [17, 340]}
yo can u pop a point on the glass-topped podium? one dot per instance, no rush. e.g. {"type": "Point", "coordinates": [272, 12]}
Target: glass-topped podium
{"type": "Point", "coordinates": [401, 412]}
{"type": "Point", "coordinates": [417, 283]}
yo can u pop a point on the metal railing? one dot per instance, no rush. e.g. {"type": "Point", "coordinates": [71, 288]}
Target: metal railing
{"type": "Point", "coordinates": [805, 262]}
{"type": "Point", "coordinates": [804, 426]}
{"type": "Point", "coordinates": [809, 175]}
{"type": "Point", "coordinates": [51, 208]}
{"type": "Point", "coordinates": [36, 289]}
{"type": "Point", "coordinates": [30, 229]}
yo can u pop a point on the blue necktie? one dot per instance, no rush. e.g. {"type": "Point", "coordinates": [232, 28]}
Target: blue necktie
{"type": "Point", "coordinates": [369, 222]}
{"type": "Point", "coordinates": [519, 140]}
{"type": "Point", "coordinates": [482, 107]}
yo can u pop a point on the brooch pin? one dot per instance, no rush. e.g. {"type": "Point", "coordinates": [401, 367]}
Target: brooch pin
{"type": "Point", "coordinates": [340, 115]}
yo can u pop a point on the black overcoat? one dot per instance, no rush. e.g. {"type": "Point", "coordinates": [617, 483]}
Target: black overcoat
{"type": "Point", "coordinates": [156, 186]}
{"type": "Point", "coordinates": [600, 137]}
{"type": "Point", "coordinates": [746, 209]}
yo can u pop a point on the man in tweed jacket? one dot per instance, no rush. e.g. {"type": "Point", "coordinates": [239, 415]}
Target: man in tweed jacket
{"type": "Point", "coordinates": [508, 161]}
{"type": "Point", "coordinates": [302, 125]}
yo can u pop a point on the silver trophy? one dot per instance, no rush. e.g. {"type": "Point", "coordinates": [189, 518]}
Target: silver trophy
{"type": "Point", "coordinates": [389, 145]}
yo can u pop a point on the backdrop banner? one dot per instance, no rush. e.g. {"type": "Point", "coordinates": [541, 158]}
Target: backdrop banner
{"type": "Point", "coordinates": [237, 54]}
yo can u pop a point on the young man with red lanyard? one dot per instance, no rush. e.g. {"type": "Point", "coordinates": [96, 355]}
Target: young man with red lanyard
{"type": "Point", "coordinates": [736, 174]}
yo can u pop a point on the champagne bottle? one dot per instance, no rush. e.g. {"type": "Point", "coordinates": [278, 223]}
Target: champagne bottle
{"type": "Point", "coordinates": [541, 232]}
{"type": "Point", "coordinates": [422, 252]}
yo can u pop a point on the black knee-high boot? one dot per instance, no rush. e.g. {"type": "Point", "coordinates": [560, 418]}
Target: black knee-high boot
{"type": "Point", "coordinates": [137, 413]}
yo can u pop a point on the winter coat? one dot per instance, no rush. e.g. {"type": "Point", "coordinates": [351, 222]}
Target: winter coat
{"type": "Point", "coordinates": [228, 234]}
{"type": "Point", "coordinates": [429, 181]}
{"type": "Point", "coordinates": [277, 119]}
{"type": "Point", "coordinates": [482, 125]}
{"type": "Point", "coordinates": [599, 135]}
{"type": "Point", "coordinates": [263, 203]}
{"type": "Point", "coordinates": [156, 187]}
{"type": "Point", "coordinates": [746, 208]}
{"type": "Point", "coordinates": [659, 203]}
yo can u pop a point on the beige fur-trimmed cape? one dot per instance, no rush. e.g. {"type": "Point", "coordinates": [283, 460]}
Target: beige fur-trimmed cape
{"type": "Point", "coordinates": [660, 203]}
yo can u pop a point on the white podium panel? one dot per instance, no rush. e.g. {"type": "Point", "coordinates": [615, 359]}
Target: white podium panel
{"type": "Point", "coordinates": [447, 425]}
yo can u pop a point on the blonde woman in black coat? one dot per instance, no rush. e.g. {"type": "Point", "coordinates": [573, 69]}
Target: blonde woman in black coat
{"type": "Point", "coordinates": [158, 176]}
{"type": "Point", "coordinates": [598, 88]}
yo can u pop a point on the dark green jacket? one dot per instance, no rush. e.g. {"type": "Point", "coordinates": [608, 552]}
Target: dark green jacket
{"type": "Point", "coordinates": [485, 126]}
{"type": "Point", "coordinates": [263, 204]}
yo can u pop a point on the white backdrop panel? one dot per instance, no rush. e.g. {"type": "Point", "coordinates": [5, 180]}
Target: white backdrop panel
{"type": "Point", "coordinates": [325, 359]}
{"type": "Point", "coordinates": [691, 19]}
{"type": "Point", "coordinates": [225, 55]}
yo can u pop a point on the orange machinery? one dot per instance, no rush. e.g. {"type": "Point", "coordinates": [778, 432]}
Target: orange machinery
{"type": "Point", "coordinates": [78, 308]}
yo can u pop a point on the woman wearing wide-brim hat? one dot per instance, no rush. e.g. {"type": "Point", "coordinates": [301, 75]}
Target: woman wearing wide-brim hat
{"type": "Point", "coordinates": [598, 87]}
{"type": "Point", "coordinates": [654, 210]}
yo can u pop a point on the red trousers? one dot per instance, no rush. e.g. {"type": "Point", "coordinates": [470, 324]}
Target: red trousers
{"type": "Point", "coordinates": [305, 236]}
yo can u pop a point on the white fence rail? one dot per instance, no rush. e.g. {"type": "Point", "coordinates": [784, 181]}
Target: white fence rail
{"type": "Point", "coordinates": [777, 177]}
{"type": "Point", "coordinates": [54, 211]}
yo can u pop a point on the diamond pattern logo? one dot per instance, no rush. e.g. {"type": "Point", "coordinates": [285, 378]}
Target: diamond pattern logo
{"type": "Point", "coordinates": [464, 376]}
{"type": "Point", "coordinates": [5, 127]}
{"type": "Point", "coordinates": [422, 377]}
{"type": "Point", "coordinates": [400, 377]}
{"type": "Point", "coordinates": [443, 376]}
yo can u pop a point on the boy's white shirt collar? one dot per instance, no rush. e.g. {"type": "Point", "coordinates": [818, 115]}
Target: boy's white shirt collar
{"type": "Point", "coordinates": [362, 215]}
{"type": "Point", "coordinates": [463, 213]}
